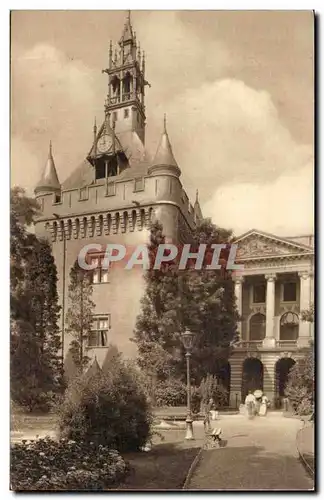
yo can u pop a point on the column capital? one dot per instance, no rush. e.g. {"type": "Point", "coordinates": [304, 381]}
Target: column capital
{"type": "Point", "coordinates": [304, 274]}
{"type": "Point", "coordinates": [270, 276]}
{"type": "Point", "coordinates": [238, 279]}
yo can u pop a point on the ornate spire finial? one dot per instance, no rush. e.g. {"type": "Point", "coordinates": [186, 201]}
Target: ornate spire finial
{"type": "Point", "coordinates": [197, 195]}
{"type": "Point", "coordinates": [164, 123]}
{"type": "Point", "coordinates": [50, 148]}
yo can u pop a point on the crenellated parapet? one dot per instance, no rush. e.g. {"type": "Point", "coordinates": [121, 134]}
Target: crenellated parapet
{"type": "Point", "coordinates": [116, 222]}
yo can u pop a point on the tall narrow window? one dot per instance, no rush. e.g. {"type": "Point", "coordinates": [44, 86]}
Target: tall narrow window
{"type": "Point", "coordinates": [99, 274]}
{"type": "Point", "coordinates": [289, 292]}
{"type": "Point", "coordinates": [259, 293]}
{"type": "Point", "coordinates": [99, 334]}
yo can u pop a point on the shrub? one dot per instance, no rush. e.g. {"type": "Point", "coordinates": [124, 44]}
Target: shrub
{"type": "Point", "coordinates": [300, 386]}
{"type": "Point", "coordinates": [108, 408]}
{"type": "Point", "coordinates": [65, 465]}
{"type": "Point", "coordinates": [195, 399]}
{"type": "Point", "coordinates": [170, 392]}
{"type": "Point", "coordinates": [210, 388]}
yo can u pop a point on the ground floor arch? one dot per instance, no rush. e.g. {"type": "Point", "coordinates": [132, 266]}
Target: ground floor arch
{"type": "Point", "coordinates": [282, 369]}
{"type": "Point", "coordinates": [252, 376]}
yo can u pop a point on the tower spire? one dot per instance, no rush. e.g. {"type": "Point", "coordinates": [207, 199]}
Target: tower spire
{"type": "Point", "coordinates": [127, 34]}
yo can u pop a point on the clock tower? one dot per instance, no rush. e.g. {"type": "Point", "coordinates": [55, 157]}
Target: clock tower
{"type": "Point", "coordinates": [126, 84]}
{"type": "Point", "coordinates": [124, 108]}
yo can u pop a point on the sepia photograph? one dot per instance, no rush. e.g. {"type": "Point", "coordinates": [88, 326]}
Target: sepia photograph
{"type": "Point", "coordinates": [162, 250]}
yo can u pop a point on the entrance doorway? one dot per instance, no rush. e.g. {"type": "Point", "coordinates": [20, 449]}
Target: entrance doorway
{"type": "Point", "coordinates": [283, 367]}
{"type": "Point", "coordinates": [252, 376]}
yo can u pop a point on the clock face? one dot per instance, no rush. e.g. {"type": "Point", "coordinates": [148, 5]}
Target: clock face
{"type": "Point", "coordinates": [104, 143]}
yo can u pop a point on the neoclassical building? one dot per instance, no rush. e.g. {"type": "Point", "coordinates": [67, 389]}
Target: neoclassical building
{"type": "Point", "coordinates": [274, 286]}
{"type": "Point", "coordinates": [111, 198]}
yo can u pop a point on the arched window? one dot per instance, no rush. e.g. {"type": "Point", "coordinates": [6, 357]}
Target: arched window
{"type": "Point", "coordinates": [126, 86]}
{"type": "Point", "coordinates": [289, 326]}
{"type": "Point", "coordinates": [115, 85]}
{"type": "Point", "coordinates": [257, 327]}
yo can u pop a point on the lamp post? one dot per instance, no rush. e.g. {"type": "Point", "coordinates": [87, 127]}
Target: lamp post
{"type": "Point", "coordinates": [187, 340]}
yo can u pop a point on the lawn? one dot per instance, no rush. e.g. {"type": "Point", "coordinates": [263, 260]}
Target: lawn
{"type": "Point", "coordinates": [166, 466]}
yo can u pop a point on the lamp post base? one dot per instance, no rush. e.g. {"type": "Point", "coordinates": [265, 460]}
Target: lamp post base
{"type": "Point", "coordinates": [189, 429]}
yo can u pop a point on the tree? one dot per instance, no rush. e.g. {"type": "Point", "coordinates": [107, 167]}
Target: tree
{"type": "Point", "coordinates": [79, 315]}
{"type": "Point", "coordinates": [22, 211]}
{"type": "Point", "coordinates": [157, 326]}
{"type": "Point", "coordinates": [201, 300]}
{"type": "Point", "coordinates": [308, 314]}
{"type": "Point", "coordinates": [300, 386]}
{"type": "Point", "coordinates": [35, 363]}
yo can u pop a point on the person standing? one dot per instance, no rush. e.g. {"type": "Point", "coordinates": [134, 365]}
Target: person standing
{"type": "Point", "coordinates": [264, 406]}
{"type": "Point", "coordinates": [250, 403]}
{"type": "Point", "coordinates": [208, 408]}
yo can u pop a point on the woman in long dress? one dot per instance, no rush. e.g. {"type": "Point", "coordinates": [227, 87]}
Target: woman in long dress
{"type": "Point", "coordinates": [250, 404]}
{"type": "Point", "coordinates": [264, 406]}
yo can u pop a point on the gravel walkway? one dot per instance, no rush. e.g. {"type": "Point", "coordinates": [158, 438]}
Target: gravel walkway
{"type": "Point", "coordinates": [260, 454]}
{"type": "Point", "coordinates": [305, 445]}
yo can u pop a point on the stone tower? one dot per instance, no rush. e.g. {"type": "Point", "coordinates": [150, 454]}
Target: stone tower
{"type": "Point", "coordinates": [111, 198]}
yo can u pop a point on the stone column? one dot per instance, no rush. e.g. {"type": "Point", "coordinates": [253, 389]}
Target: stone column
{"type": "Point", "coordinates": [269, 340]}
{"type": "Point", "coordinates": [238, 294]}
{"type": "Point", "coordinates": [304, 302]}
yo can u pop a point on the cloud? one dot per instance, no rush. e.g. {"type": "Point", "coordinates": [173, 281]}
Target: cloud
{"type": "Point", "coordinates": [284, 206]}
{"type": "Point", "coordinates": [232, 136]}
{"type": "Point", "coordinates": [228, 138]}
{"type": "Point", "coordinates": [53, 98]}
{"type": "Point", "coordinates": [23, 161]}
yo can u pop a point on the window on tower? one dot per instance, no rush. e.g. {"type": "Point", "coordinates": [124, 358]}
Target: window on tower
{"type": "Point", "coordinates": [99, 333]}
{"type": "Point", "coordinates": [100, 169]}
{"type": "Point", "coordinates": [126, 113]}
{"type": "Point", "coordinates": [126, 87]}
{"type": "Point", "coordinates": [114, 116]}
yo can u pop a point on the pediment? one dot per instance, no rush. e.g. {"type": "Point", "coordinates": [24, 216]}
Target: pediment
{"type": "Point", "coordinates": [256, 244]}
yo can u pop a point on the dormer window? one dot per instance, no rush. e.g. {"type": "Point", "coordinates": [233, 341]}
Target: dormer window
{"type": "Point", "coordinates": [139, 184]}
{"type": "Point", "coordinates": [83, 194]}
{"type": "Point", "coordinates": [57, 198]}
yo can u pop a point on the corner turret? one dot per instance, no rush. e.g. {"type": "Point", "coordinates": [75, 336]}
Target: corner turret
{"type": "Point", "coordinates": [197, 210]}
{"type": "Point", "coordinates": [164, 161]}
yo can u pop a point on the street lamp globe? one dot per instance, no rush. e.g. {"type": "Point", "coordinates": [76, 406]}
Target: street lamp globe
{"type": "Point", "coordinates": [187, 340]}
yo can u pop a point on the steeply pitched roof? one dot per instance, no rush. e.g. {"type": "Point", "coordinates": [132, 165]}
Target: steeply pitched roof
{"type": "Point", "coordinates": [164, 154]}
{"type": "Point", "coordinates": [138, 158]}
{"type": "Point", "coordinates": [49, 179]}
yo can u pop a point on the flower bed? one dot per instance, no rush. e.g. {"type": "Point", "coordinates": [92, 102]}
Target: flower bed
{"type": "Point", "coordinates": [65, 465]}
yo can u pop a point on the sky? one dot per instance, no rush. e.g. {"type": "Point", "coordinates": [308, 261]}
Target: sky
{"type": "Point", "coordinates": [237, 88]}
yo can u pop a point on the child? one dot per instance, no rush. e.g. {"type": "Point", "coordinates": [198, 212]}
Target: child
{"type": "Point", "coordinates": [208, 407]}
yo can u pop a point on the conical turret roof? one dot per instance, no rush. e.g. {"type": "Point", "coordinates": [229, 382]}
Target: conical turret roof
{"type": "Point", "coordinates": [164, 155]}
{"type": "Point", "coordinates": [49, 179]}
